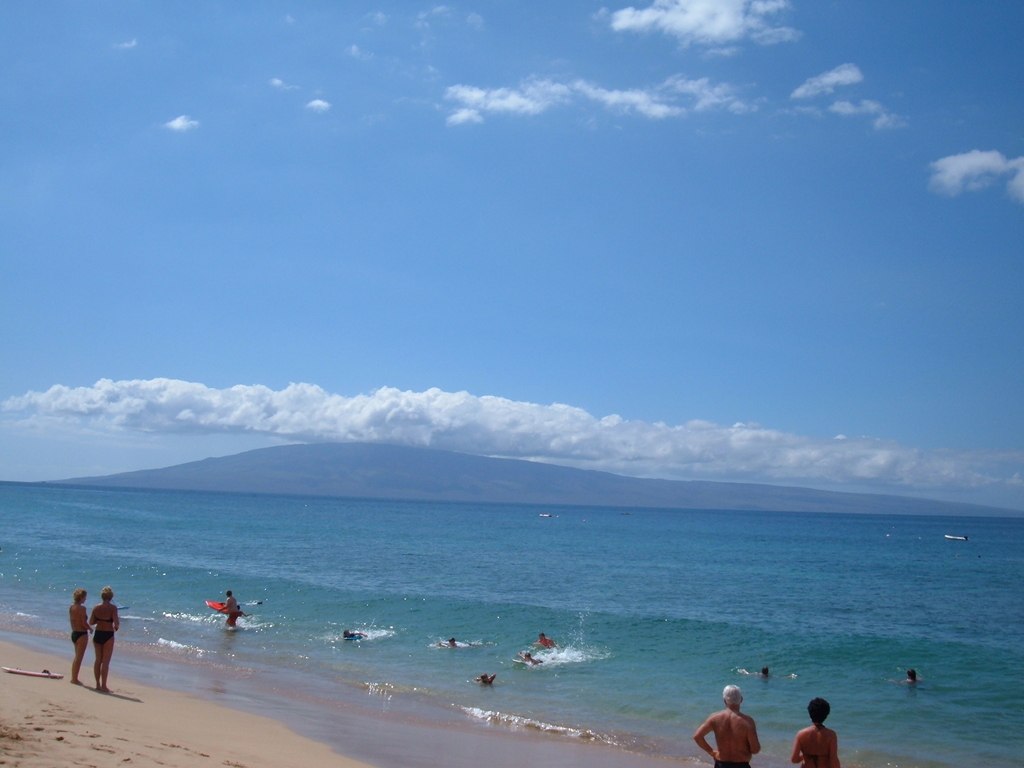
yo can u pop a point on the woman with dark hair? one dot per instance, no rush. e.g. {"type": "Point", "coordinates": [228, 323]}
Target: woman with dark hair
{"type": "Point", "coordinates": [104, 618]}
{"type": "Point", "coordinates": [816, 746]}
{"type": "Point", "coordinates": [80, 630]}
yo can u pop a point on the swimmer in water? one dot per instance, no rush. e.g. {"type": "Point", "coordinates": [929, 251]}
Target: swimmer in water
{"type": "Point", "coordinates": [816, 746]}
{"type": "Point", "coordinates": [486, 679]}
{"type": "Point", "coordinates": [912, 678]}
{"type": "Point", "coordinates": [450, 644]}
{"type": "Point", "coordinates": [528, 658]}
{"type": "Point", "coordinates": [353, 635]}
{"type": "Point", "coordinates": [545, 641]}
{"type": "Point", "coordinates": [763, 673]}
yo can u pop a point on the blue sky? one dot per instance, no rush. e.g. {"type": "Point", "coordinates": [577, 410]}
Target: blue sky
{"type": "Point", "coordinates": [759, 225]}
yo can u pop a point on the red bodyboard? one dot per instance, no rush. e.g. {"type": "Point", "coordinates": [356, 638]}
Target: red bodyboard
{"type": "Point", "coordinates": [219, 607]}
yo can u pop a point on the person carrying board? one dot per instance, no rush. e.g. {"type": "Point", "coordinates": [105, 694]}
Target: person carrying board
{"type": "Point", "coordinates": [231, 609]}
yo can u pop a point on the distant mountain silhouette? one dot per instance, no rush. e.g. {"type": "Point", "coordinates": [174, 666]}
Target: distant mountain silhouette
{"type": "Point", "coordinates": [369, 470]}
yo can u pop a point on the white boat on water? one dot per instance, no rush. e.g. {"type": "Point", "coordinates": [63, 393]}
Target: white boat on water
{"type": "Point", "coordinates": [956, 538]}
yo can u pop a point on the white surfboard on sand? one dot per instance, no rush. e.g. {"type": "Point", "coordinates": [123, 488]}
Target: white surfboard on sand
{"type": "Point", "coordinates": [30, 673]}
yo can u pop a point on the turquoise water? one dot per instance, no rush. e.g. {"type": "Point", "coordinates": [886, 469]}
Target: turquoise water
{"type": "Point", "coordinates": [654, 610]}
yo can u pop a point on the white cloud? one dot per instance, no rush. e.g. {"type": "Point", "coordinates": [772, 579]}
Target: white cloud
{"type": "Point", "coordinates": [647, 103]}
{"type": "Point", "coordinates": [127, 46]}
{"type": "Point", "coordinates": [378, 18]}
{"type": "Point", "coordinates": [182, 123]}
{"type": "Point", "coordinates": [827, 82]}
{"type": "Point", "coordinates": [535, 96]}
{"type": "Point", "coordinates": [883, 119]}
{"type": "Point", "coordinates": [318, 105]}
{"type": "Point", "coordinates": [289, 19]}
{"type": "Point", "coordinates": [464, 115]}
{"type": "Point", "coordinates": [976, 170]}
{"type": "Point", "coordinates": [438, 10]}
{"type": "Point", "coordinates": [475, 20]}
{"type": "Point", "coordinates": [708, 22]}
{"type": "Point", "coordinates": [495, 426]}
{"type": "Point", "coordinates": [708, 96]}
{"type": "Point", "coordinates": [531, 98]}
{"type": "Point", "coordinates": [276, 82]}
{"type": "Point", "coordinates": [358, 53]}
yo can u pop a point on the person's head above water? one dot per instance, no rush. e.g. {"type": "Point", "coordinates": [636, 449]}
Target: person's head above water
{"type": "Point", "coordinates": [228, 593]}
{"type": "Point", "coordinates": [764, 671]}
{"type": "Point", "coordinates": [732, 695]}
{"type": "Point", "coordinates": [912, 675]}
{"type": "Point", "coordinates": [818, 709]}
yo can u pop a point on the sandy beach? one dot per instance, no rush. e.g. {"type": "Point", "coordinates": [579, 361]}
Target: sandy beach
{"type": "Point", "coordinates": [45, 722]}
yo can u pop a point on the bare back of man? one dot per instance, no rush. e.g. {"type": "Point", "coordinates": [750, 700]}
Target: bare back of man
{"type": "Point", "coordinates": [735, 733]}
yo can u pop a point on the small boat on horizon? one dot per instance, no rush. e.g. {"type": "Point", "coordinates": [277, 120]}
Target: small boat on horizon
{"type": "Point", "coordinates": [956, 538]}
{"type": "Point", "coordinates": [544, 514]}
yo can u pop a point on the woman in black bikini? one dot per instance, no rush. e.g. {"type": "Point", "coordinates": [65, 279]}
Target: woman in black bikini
{"type": "Point", "coordinates": [817, 746]}
{"type": "Point", "coordinates": [104, 617]}
{"type": "Point", "coordinates": [80, 630]}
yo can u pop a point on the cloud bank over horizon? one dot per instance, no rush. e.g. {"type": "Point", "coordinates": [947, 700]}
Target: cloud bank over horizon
{"type": "Point", "coordinates": [496, 426]}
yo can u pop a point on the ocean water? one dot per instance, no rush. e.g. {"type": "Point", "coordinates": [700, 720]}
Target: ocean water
{"type": "Point", "coordinates": [654, 611]}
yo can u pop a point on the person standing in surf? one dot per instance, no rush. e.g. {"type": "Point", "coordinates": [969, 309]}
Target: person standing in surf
{"type": "Point", "coordinates": [80, 631]}
{"type": "Point", "coordinates": [104, 618]}
{"type": "Point", "coordinates": [231, 608]}
{"type": "Point", "coordinates": [735, 733]}
{"type": "Point", "coordinates": [816, 746]}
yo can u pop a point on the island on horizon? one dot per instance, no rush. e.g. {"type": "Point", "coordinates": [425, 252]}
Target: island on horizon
{"type": "Point", "coordinates": [380, 471]}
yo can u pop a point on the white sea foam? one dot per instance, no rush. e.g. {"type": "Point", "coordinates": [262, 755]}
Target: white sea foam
{"type": "Point", "coordinates": [458, 644]}
{"type": "Point", "coordinates": [244, 622]}
{"type": "Point", "coordinates": [387, 690]}
{"type": "Point", "coordinates": [181, 647]}
{"type": "Point", "coordinates": [570, 654]}
{"type": "Point", "coordinates": [196, 618]}
{"type": "Point", "coordinates": [519, 722]}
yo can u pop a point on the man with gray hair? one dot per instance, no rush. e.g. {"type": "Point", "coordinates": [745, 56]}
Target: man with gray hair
{"type": "Point", "coordinates": [735, 733]}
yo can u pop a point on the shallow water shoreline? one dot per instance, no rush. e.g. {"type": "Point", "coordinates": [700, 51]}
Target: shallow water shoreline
{"type": "Point", "coordinates": [359, 724]}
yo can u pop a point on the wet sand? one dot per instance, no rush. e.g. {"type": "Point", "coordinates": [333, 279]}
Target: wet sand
{"type": "Point", "coordinates": [46, 722]}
